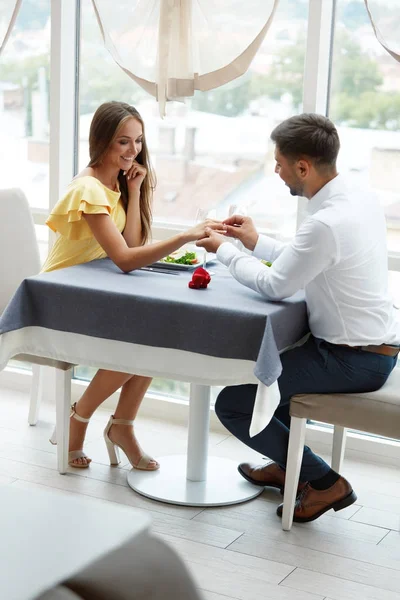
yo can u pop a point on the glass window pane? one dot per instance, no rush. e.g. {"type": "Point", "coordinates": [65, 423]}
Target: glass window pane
{"type": "Point", "coordinates": [178, 390]}
{"type": "Point", "coordinates": [365, 104]}
{"type": "Point", "coordinates": [169, 387]}
{"type": "Point", "coordinates": [24, 103]}
{"type": "Point", "coordinates": [213, 152]}
{"type": "Point", "coordinates": [42, 236]}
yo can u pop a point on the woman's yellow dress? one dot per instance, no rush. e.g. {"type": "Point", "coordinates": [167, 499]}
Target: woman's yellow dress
{"type": "Point", "coordinates": [76, 243]}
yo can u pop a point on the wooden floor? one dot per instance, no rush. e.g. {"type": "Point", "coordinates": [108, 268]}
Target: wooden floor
{"type": "Point", "coordinates": [234, 552]}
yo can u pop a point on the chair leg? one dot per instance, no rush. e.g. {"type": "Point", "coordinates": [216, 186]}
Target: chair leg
{"type": "Point", "coordinates": [63, 407]}
{"type": "Point", "coordinates": [293, 464]}
{"type": "Point", "coordinates": [36, 394]}
{"type": "Point", "coordinates": [338, 447]}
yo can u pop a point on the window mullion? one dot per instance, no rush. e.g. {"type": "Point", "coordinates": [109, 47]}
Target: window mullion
{"type": "Point", "coordinates": [63, 54]}
{"type": "Point", "coordinates": [317, 64]}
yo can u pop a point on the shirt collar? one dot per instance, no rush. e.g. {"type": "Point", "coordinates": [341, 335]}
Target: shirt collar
{"type": "Point", "coordinates": [333, 186]}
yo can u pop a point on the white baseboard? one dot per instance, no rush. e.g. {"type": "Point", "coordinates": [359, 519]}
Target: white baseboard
{"type": "Point", "coordinates": [156, 406]}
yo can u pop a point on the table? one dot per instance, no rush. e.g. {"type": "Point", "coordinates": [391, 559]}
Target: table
{"type": "Point", "coordinates": [153, 324]}
{"type": "Point", "coordinates": [48, 536]}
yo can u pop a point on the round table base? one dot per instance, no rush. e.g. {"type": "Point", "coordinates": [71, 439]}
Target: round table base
{"type": "Point", "coordinates": [223, 485]}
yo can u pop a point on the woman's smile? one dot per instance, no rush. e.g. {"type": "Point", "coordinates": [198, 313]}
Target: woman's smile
{"type": "Point", "coordinates": [127, 159]}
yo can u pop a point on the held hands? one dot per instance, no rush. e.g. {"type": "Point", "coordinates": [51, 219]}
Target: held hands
{"type": "Point", "coordinates": [135, 176]}
{"type": "Point", "coordinates": [237, 226]}
{"type": "Point", "coordinates": [200, 230]}
{"type": "Point", "coordinates": [212, 241]}
{"type": "Point", "coordinates": [242, 228]}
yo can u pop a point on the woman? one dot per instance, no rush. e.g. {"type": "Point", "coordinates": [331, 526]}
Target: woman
{"type": "Point", "coordinates": [106, 211]}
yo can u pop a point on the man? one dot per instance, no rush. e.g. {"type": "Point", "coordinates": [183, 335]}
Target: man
{"type": "Point", "coordinates": [339, 258]}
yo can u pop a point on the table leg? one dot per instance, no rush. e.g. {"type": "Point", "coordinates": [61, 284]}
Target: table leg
{"type": "Point", "coordinates": [199, 424]}
{"type": "Point", "coordinates": [195, 479]}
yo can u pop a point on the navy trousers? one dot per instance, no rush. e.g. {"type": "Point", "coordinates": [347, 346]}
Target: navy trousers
{"type": "Point", "coordinates": [316, 367]}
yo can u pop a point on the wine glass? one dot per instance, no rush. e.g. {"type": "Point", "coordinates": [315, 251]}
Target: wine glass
{"type": "Point", "coordinates": [235, 209]}
{"type": "Point", "coordinates": [202, 215]}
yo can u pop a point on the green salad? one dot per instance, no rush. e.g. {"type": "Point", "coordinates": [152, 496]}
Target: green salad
{"type": "Point", "coordinates": [189, 258]}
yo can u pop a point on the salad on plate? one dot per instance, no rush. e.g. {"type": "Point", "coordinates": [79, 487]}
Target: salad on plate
{"type": "Point", "coordinates": [189, 258]}
{"type": "Point", "coordinates": [185, 259]}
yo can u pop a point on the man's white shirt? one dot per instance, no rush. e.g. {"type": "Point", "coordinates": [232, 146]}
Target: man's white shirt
{"type": "Point", "coordinates": [339, 258]}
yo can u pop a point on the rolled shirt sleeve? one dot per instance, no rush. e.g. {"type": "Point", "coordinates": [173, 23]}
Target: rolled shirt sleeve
{"type": "Point", "coordinates": [294, 265]}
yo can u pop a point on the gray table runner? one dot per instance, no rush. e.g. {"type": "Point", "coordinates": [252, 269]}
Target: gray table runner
{"type": "Point", "coordinates": [226, 320]}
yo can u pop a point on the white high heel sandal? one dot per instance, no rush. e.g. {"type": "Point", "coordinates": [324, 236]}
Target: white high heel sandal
{"type": "Point", "coordinates": [74, 454]}
{"type": "Point", "coordinates": [144, 461]}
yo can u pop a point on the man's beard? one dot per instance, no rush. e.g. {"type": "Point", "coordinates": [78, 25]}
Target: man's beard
{"type": "Point", "coordinates": [296, 191]}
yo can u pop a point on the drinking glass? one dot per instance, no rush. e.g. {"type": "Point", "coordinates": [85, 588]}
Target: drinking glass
{"type": "Point", "coordinates": [234, 209]}
{"type": "Point", "coordinates": [202, 215]}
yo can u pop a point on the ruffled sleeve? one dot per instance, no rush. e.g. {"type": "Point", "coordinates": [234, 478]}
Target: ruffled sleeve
{"type": "Point", "coordinates": [84, 195]}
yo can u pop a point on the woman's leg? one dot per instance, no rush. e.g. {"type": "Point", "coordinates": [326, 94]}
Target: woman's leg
{"type": "Point", "coordinates": [132, 394]}
{"type": "Point", "coordinates": [103, 384]}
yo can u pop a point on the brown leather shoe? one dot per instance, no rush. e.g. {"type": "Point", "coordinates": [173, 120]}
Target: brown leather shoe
{"type": "Point", "coordinates": [311, 503]}
{"type": "Point", "coordinates": [269, 475]}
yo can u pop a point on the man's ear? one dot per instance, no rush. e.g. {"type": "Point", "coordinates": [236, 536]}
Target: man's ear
{"type": "Point", "coordinates": [303, 168]}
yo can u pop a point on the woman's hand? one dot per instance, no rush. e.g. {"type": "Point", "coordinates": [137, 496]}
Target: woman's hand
{"type": "Point", "coordinates": [199, 231]}
{"type": "Point", "coordinates": [135, 176]}
{"type": "Point", "coordinates": [212, 242]}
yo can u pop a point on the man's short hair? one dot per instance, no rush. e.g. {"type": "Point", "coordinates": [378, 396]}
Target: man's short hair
{"type": "Point", "coordinates": [308, 135]}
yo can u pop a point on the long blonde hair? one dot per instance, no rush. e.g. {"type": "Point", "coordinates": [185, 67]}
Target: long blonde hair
{"type": "Point", "coordinates": [106, 122]}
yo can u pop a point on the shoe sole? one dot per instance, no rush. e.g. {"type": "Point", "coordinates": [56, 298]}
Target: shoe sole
{"type": "Point", "coordinates": [259, 483]}
{"type": "Point", "coordinates": [339, 505]}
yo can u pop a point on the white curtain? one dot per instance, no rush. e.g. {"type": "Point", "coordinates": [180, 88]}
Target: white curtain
{"type": "Point", "coordinates": [173, 47]}
{"type": "Point", "coordinates": [8, 14]}
{"type": "Point", "coordinates": [378, 19]}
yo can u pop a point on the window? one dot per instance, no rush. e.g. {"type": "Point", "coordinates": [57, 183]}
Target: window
{"type": "Point", "coordinates": [214, 151]}
{"type": "Point", "coordinates": [24, 104]}
{"type": "Point", "coordinates": [167, 387]}
{"type": "Point", "coordinates": [365, 104]}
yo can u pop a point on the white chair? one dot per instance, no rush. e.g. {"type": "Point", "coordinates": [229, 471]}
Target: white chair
{"type": "Point", "coordinates": [144, 567]}
{"type": "Point", "coordinates": [374, 412]}
{"type": "Point", "coordinates": [20, 259]}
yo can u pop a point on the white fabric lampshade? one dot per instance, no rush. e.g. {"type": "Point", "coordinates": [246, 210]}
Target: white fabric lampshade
{"type": "Point", "coordinates": [8, 13]}
{"type": "Point", "coordinates": [375, 12]}
{"type": "Point", "coordinates": [173, 47]}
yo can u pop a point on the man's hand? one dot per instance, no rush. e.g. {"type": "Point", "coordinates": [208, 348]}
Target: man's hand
{"type": "Point", "coordinates": [242, 228]}
{"type": "Point", "coordinates": [212, 242]}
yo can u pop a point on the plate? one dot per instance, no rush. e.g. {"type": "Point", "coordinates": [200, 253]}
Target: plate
{"type": "Point", "coordinates": [180, 267]}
